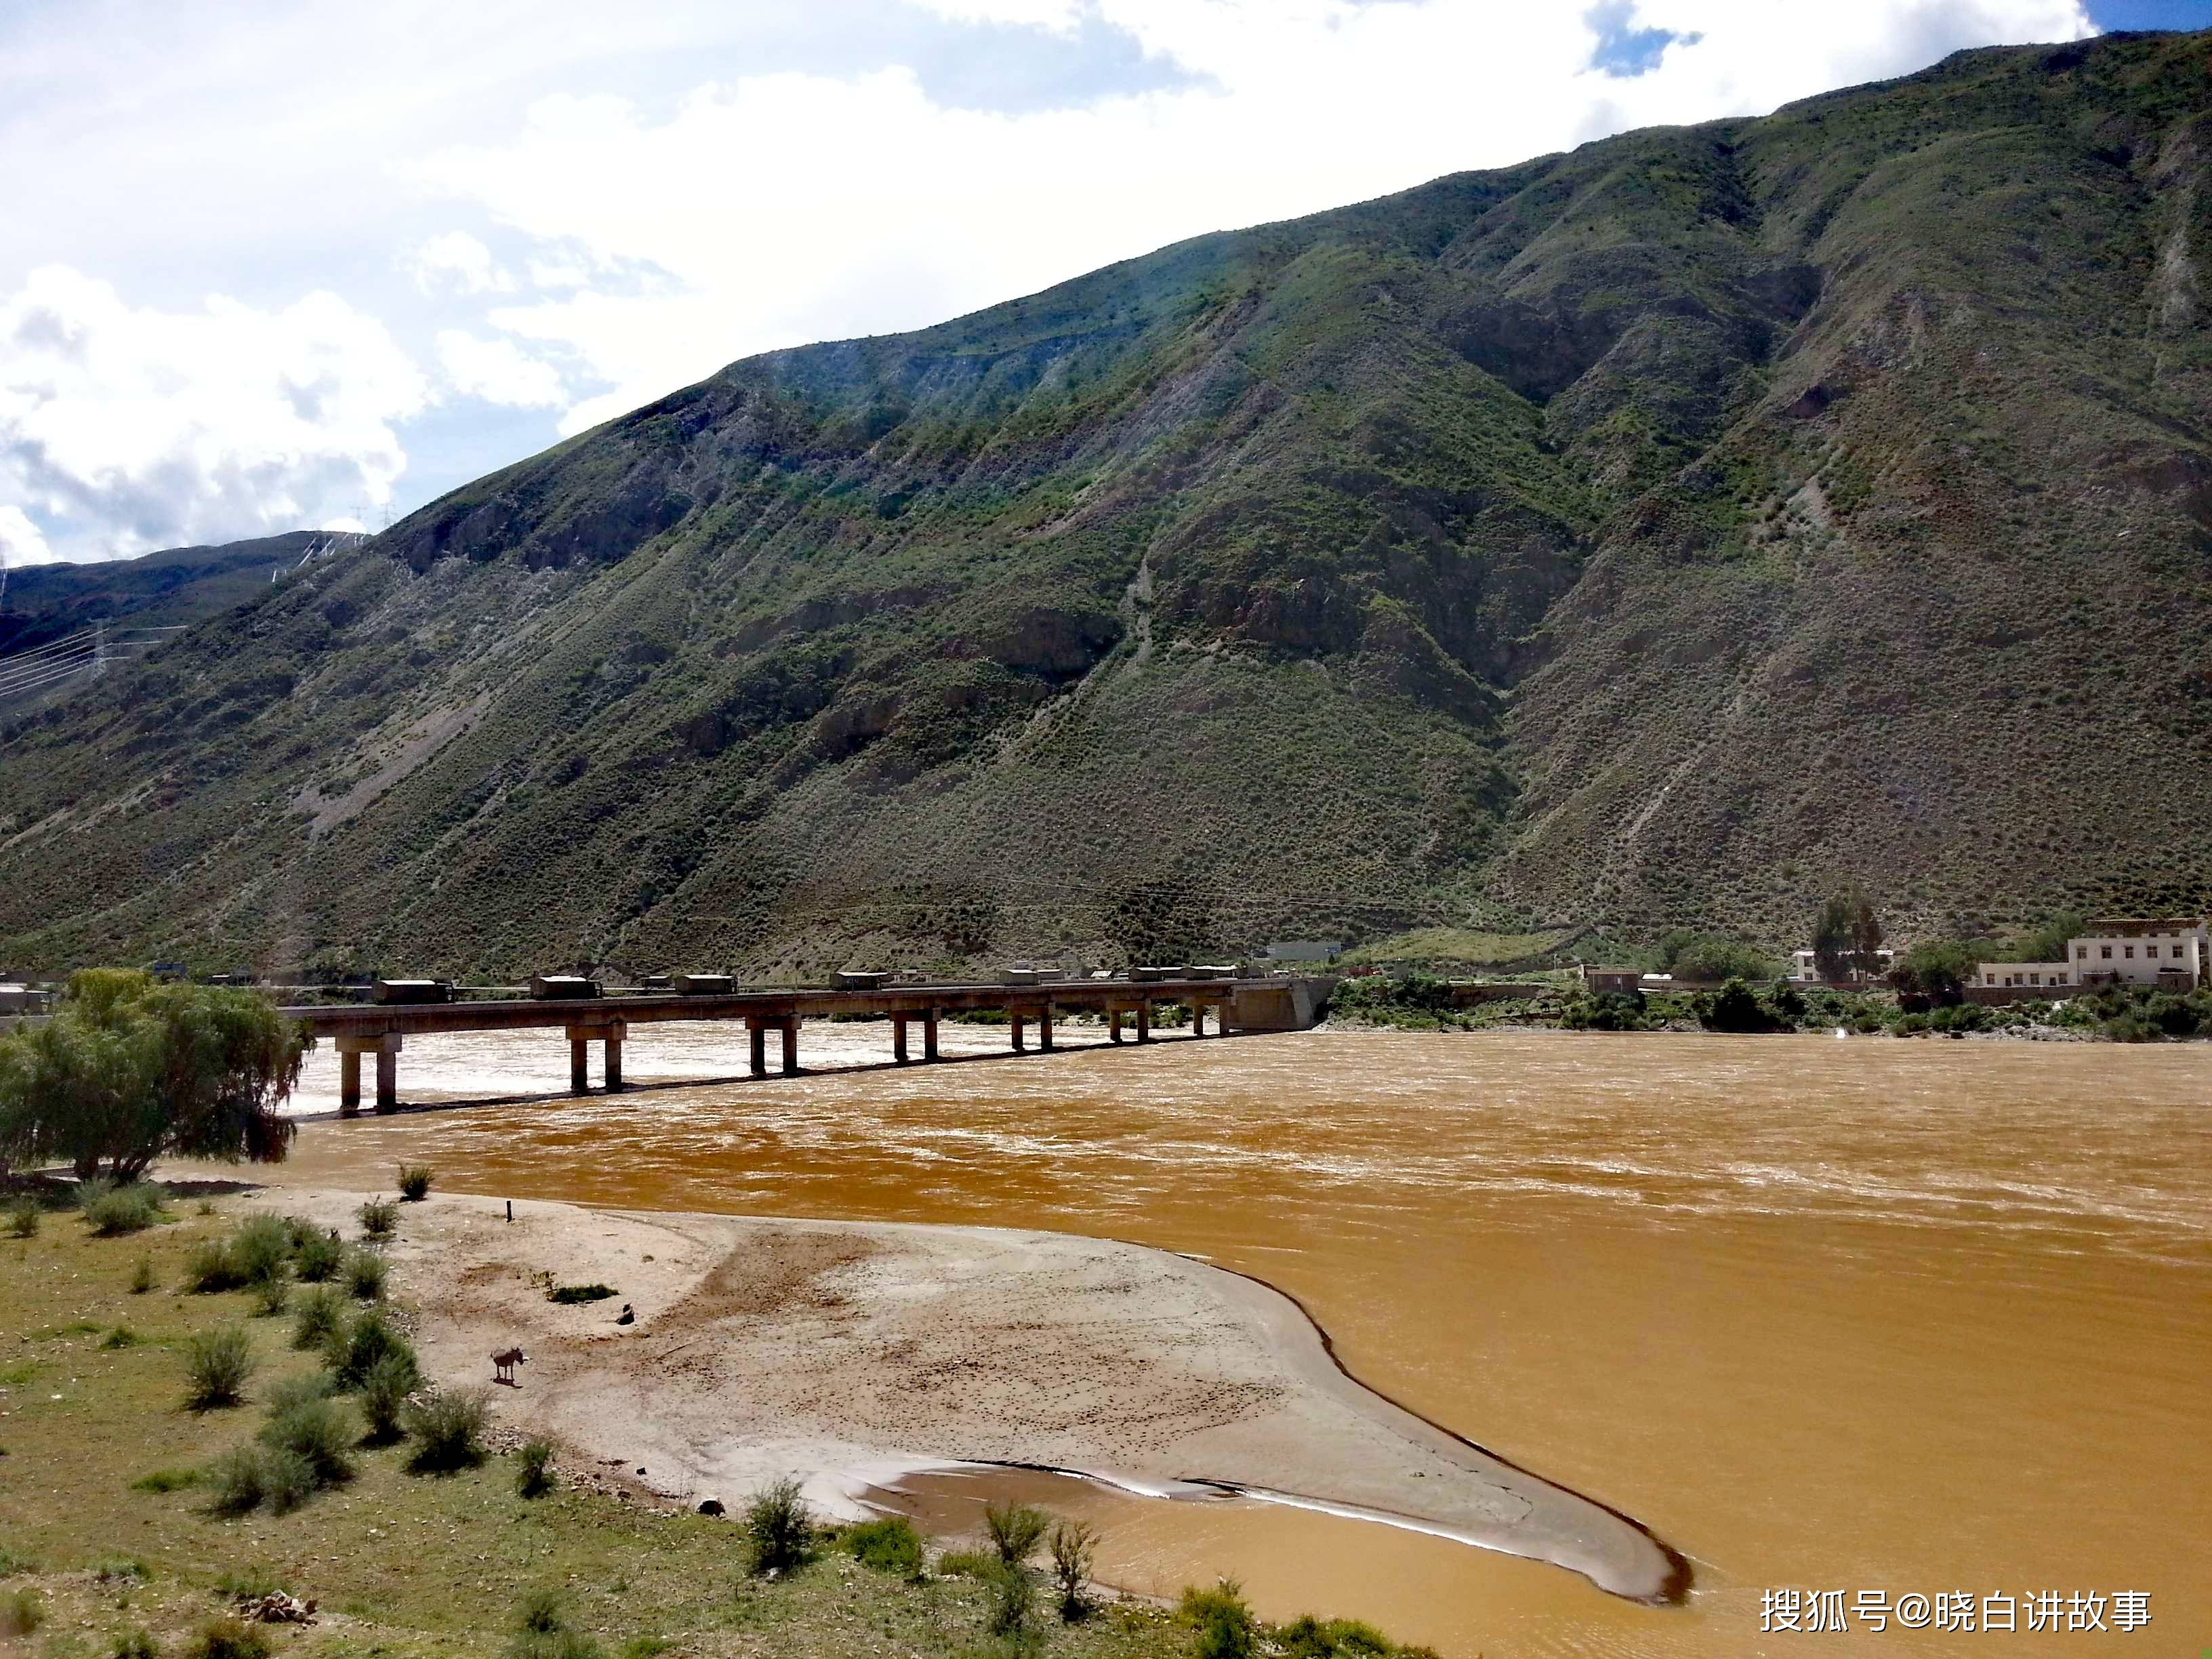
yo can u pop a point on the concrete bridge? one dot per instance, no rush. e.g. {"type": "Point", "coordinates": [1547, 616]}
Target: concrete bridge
{"type": "Point", "coordinates": [379, 1030]}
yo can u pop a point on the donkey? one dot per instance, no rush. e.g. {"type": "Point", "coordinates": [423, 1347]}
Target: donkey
{"type": "Point", "coordinates": [503, 1364]}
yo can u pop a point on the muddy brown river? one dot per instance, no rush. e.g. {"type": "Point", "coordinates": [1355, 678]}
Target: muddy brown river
{"type": "Point", "coordinates": [1869, 1317]}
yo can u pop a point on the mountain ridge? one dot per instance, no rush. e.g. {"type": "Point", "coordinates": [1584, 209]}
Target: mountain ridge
{"type": "Point", "coordinates": [1642, 535]}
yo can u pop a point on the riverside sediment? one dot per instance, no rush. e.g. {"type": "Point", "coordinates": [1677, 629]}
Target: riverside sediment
{"type": "Point", "coordinates": [848, 1354]}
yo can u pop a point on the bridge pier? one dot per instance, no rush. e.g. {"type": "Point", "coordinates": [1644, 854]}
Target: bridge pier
{"type": "Point", "coordinates": [580, 1038]}
{"type": "Point", "coordinates": [898, 1039]}
{"type": "Point", "coordinates": [791, 1045]}
{"type": "Point", "coordinates": [929, 1035]}
{"type": "Point", "coordinates": [1014, 1019]}
{"type": "Point", "coordinates": [1045, 1028]}
{"type": "Point", "coordinates": [1114, 1023]}
{"type": "Point", "coordinates": [384, 1045]}
{"type": "Point", "coordinates": [758, 1027]}
{"type": "Point", "coordinates": [1145, 1021]}
{"type": "Point", "coordinates": [1198, 1019]}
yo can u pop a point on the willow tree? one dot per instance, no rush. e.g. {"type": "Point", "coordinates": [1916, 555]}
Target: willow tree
{"type": "Point", "coordinates": [129, 1070]}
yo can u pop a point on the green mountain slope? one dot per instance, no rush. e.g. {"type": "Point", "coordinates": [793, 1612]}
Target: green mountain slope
{"type": "Point", "coordinates": [1644, 536]}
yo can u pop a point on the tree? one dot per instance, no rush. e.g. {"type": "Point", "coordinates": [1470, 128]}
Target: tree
{"type": "Point", "coordinates": [1846, 934]}
{"type": "Point", "coordinates": [1866, 936]}
{"type": "Point", "coordinates": [1939, 967]}
{"type": "Point", "coordinates": [1707, 957]}
{"type": "Point", "coordinates": [128, 1071]}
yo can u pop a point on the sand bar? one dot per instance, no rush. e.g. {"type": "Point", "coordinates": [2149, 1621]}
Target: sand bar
{"type": "Point", "coordinates": [849, 1354]}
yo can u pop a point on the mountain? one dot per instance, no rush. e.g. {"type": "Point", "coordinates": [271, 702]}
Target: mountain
{"type": "Point", "coordinates": [42, 606]}
{"type": "Point", "coordinates": [1648, 536]}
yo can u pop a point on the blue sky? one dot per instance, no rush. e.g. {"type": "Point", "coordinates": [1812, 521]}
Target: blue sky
{"type": "Point", "coordinates": [285, 264]}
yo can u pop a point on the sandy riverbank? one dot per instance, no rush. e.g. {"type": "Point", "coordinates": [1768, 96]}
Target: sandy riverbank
{"type": "Point", "coordinates": [847, 1354]}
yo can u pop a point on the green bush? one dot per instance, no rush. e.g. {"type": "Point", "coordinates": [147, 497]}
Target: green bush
{"type": "Point", "coordinates": [216, 1364]}
{"type": "Point", "coordinates": [1015, 1530]}
{"type": "Point", "coordinates": [21, 1612]}
{"type": "Point", "coordinates": [778, 1527]}
{"type": "Point", "coordinates": [317, 1258]}
{"type": "Point", "coordinates": [1735, 1007]}
{"type": "Point", "coordinates": [1309, 1638]}
{"type": "Point", "coordinates": [967, 1564]}
{"type": "Point", "coordinates": [142, 1276]}
{"type": "Point", "coordinates": [364, 1271]}
{"type": "Point", "coordinates": [540, 1612]}
{"type": "Point", "coordinates": [239, 1480]}
{"type": "Point", "coordinates": [271, 1296]}
{"type": "Point", "coordinates": [542, 1630]}
{"type": "Point", "coordinates": [379, 1218]}
{"type": "Point", "coordinates": [228, 1639]}
{"type": "Point", "coordinates": [121, 1337]}
{"type": "Point", "coordinates": [166, 1480]}
{"type": "Point", "coordinates": [211, 1267]}
{"type": "Point", "coordinates": [1074, 1546]}
{"type": "Point", "coordinates": [316, 1429]}
{"type": "Point", "coordinates": [261, 1248]}
{"type": "Point", "coordinates": [533, 1473]}
{"type": "Point", "coordinates": [889, 1545]}
{"type": "Point", "coordinates": [1226, 1629]}
{"type": "Point", "coordinates": [23, 1218]}
{"type": "Point", "coordinates": [287, 1479]}
{"type": "Point", "coordinates": [384, 1393]}
{"type": "Point", "coordinates": [318, 1314]}
{"type": "Point", "coordinates": [353, 1351]}
{"type": "Point", "coordinates": [414, 1182]}
{"type": "Point", "coordinates": [115, 1207]}
{"type": "Point", "coordinates": [448, 1431]}
{"type": "Point", "coordinates": [1608, 1011]}
{"type": "Point", "coordinates": [136, 1644]}
{"type": "Point", "coordinates": [1012, 1600]}
{"type": "Point", "coordinates": [570, 1294]}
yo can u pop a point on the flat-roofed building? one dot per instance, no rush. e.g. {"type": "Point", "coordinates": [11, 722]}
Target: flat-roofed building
{"type": "Point", "coordinates": [2169, 951]}
{"type": "Point", "coordinates": [2034, 976]}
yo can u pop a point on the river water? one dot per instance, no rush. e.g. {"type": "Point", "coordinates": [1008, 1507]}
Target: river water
{"type": "Point", "coordinates": [1870, 1315]}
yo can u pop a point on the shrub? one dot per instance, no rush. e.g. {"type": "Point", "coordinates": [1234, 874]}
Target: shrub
{"type": "Point", "coordinates": [534, 1476]}
{"type": "Point", "coordinates": [540, 1614]}
{"type": "Point", "coordinates": [379, 1218]}
{"type": "Point", "coordinates": [23, 1218]}
{"type": "Point", "coordinates": [384, 1393]}
{"type": "Point", "coordinates": [239, 1480]}
{"type": "Point", "coordinates": [352, 1352]}
{"type": "Point", "coordinates": [166, 1480]}
{"type": "Point", "coordinates": [317, 1258]}
{"type": "Point", "coordinates": [121, 1570]}
{"type": "Point", "coordinates": [316, 1429]}
{"type": "Point", "coordinates": [142, 1276]}
{"type": "Point", "coordinates": [1011, 1599]}
{"type": "Point", "coordinates": [133, 1644]}
{"type": "Point", "coordinates": [1308, 1638]}
{"type": "Point", "coordinates": [414, 1182]}
{"type": "Point", "coordinates": [778, 1527]}
{"type": "Point", "coordinates": [261, 1248]}
{"type": "Point", "coordinates": [271, 1295]}
{"type": "Point", "coordinates": [1225, 1624]}
{"type": "Point", "coordinates": [888, 1544]}
{"type": "Point", "coordinates": [228, 1639]}
{"type": "Point", "coordinates": [448, 1430]}
{"type": "Point", "coordinates": [121, 1337]}
{"type": "Point", "coordinates": [364, 1273]}
{"type": "Point", "coordinates": [211, 1267]}
{"type": "Point", "coordinates": [21, 1612]}
{"type": "Point", "coordinates": [1074, 1546]}
{"type": "Point", "coordinates": [287, 1479]}
{"type": "Point", "coordinates": [115, 1207]}
{"type": "Point", "coordinates": [568, 1294]}
{"type": "Point", "coordinates": [1015, 1529]}
{"type": "Point", "coordinates": [318, 1314]}
{"type": "Point", "coordinates": [216, 1365]}
{"type": "Point", "coordinates": [1735, 1007]}
{"type": "Point", "coordinates": [967, 1564]}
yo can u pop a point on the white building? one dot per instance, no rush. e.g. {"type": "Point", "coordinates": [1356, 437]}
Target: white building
{"type": "Point", "coordinates": [2014, 974]}
{"type": "Point", "coordinates": [1806, 964]}
{"type": "Point", "coordinates": [2167, 951]}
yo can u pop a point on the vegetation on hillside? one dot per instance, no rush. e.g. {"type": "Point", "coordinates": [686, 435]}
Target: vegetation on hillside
{"type": "Point", "coordinates": [1668, 533]}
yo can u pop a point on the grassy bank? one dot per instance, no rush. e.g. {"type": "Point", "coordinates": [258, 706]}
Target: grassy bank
{"type": "Point", "coordinates": [112, 1543]}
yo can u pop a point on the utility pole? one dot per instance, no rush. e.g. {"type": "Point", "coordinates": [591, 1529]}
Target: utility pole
{"type": "Point", "coordinates": [100, 647]}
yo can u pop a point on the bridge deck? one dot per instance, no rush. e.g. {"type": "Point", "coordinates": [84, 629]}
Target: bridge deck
{"type": "Point", "coordinates": [380, 1029]}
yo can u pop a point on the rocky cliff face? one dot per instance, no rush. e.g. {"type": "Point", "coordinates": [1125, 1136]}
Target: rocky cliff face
{"type": "Point", "coordinates": [1644, 536]}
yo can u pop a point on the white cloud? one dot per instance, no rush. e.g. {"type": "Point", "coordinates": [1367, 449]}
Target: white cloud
{"type": "Point", "coordinates": [457, 262]}
{"type": "Point", "coordinates": [498, 372]}
{"type": "Point", "coordinates": [1061, 16]}
{"type": "Point", "coordinates": [787, 207]}
{"type": "Point", "coordinates": [21, 542]}
{"type": "Point", "coordinates": [144, 428]}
